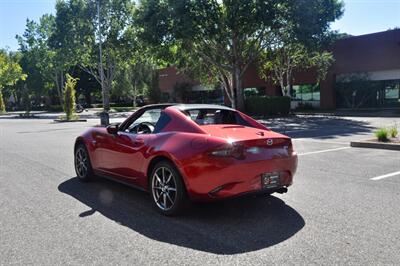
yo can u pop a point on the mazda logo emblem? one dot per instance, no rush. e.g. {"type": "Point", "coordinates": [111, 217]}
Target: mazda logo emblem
{"type": "Point", "coordinates": [270, 142]}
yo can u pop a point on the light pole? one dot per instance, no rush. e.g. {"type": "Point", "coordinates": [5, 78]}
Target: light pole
{"type": "Point", "coordinates": [104, 116]}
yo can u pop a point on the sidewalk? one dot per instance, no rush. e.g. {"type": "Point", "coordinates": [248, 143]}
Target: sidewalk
{"type": "Point", "coordinates": [86, 114]}
{"type": "Point", "coordinates": [352, 113]}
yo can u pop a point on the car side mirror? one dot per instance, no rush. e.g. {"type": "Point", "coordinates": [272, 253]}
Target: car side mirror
{"type": "Point", "coordinates": [112, 129]}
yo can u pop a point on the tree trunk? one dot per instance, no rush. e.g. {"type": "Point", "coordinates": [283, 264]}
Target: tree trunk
{"type": "Point", "coordinates": [283, 88]}
{"type": "Point", "coordinates": [106, 81]}
{"type": "Point", "coordinates": [134, 93]}
{"type": "Point", "coordinates": [289, 83]}
{"type": "Point", "coordinates": [27, 100]}
{"type": "Point", "coordinates": [238, 89]}
{"type": "Point", "coordinates": [279, 77]}
{"type": "Point", "coordinates": [16, 99]}
{"type": "Point", "coordinates": [229, 91]}
{"type": "Point", "coordinates": [59, 86]}
{"type": "Point", "coordinates": [88, 98]}
{"type": "Point", "coordinates": [106, 95]}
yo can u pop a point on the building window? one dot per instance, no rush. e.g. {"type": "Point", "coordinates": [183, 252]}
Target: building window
{"type": "Point", "coordinates": [250, 92]}
{"type": "Point", "coordinates": [368, 94]}
{"type": "Point", "coordinates": [392, 91]}
{"type": "Point", "coordinates": [306, 92]}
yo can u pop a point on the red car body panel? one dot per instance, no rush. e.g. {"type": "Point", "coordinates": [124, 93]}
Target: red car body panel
{"type": "Point", "coordinates": [127, 157]}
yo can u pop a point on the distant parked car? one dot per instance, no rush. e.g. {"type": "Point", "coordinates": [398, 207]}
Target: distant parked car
{"type": "Point", "coordinates": [189, 152]}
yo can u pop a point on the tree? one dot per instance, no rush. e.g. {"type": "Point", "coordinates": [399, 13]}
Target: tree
{"type": "Point", "coordinates": [39, 59]}
{"type": "Point", "coordinates": [87, 87]}
{"type": "Point", "coordinates": [228, 36]}
{"type": "Point", "coordinates": [133, 78]}
{"type": "Point", "coordinates": [84, 27]}
{"type": "Point", "coordinates": [10, 73]}
{"type": "Point", "coordinates": [73, 32]}
{"type": "Point", "coordinates": [69, 97]}
{"type": "Point", "coordinates": [278, 64]}
{"type": "Point", "coordinates": [321, 61]}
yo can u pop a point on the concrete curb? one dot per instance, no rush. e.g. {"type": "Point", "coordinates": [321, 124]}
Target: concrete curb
{"type": "Point", "coordinates": [69, 121]}
{"type": "Point", "coordinates": [375, 145]}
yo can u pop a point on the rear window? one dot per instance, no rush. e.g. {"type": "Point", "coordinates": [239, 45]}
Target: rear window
{"type": "Point", "coordinates": [214, 117]}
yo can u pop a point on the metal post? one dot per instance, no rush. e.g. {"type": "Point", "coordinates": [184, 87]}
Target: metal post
{"type": "Point", "coordinates": [104, 116]}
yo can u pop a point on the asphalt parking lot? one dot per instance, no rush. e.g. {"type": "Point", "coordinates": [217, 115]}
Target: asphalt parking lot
{"type": "Point", "coordinates": [343, 208]}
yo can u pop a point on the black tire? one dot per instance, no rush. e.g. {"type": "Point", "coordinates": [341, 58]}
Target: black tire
{"type": "Point", "coordinates": [83, 166]}
{"type": "Point", "coordinates": [162, 189]}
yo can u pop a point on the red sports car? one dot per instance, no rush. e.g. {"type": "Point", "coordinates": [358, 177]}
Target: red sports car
{"type": "Point", "coordinates": [188, 152]}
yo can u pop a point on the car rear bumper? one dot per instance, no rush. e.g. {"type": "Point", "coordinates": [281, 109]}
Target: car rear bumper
{"type": "Point", "coordinates": [209, 180]}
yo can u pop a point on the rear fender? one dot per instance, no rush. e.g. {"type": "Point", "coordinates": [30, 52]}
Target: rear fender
{"type": "Point", "coordinates": [182, 149]}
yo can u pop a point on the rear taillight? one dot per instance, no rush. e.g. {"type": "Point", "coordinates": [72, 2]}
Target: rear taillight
{"type": "Point", "coordinates": [290, 148]}
{"type": "Point", "coordinates": [235, 151]}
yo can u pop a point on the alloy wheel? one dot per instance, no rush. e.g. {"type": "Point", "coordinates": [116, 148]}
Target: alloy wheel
{"type": "Point", "coordinates": [81, 163]}
{"type": "Point", "coordinates": [164, 188]}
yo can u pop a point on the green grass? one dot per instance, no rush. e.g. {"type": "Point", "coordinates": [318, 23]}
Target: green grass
{"type": "Point", "coordinates": [382, 134]}
{"type": "Point", "coordinates": [393, 132]}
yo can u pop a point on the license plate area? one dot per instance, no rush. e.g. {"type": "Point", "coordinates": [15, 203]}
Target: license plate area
{"type": "Point", "coordinates": [270, 180]}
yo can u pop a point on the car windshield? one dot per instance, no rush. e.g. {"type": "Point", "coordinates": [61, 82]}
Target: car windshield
{"type": "Point", "coordinates": [149, 116]}
{"type": "Point", "coordinates": [213, 116]}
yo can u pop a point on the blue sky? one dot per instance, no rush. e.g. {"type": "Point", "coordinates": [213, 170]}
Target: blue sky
{"type": "Point", "coordinates": [13, 15]}
{"type": "Point", "coordinates": [360, 17]}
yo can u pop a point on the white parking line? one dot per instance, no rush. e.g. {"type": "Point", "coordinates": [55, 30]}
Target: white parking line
{"type": "Point", "coordinates": [314, 152]}
{"type": "Point", "coordinates": [321, 141]}
{"type": "Point", "coordinates": [384, 176]}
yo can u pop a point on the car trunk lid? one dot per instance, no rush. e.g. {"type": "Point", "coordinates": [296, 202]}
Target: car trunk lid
{"type": "Point", "coordinates": [254, 142]}
{"type": "Point", "coordinates": [243, 134]}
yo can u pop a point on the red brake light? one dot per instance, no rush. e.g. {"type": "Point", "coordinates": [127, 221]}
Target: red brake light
{"type": "Point", "coordinates": [235, 151]}
{"type": "Point", "coordinates": [290, 148]}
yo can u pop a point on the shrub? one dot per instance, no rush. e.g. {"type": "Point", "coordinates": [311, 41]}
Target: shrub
{"type": "Point", "coordinates": [268, 105]}
{"type": "Point", "coordinates": [393, 132]}
{"type": "Point", "coordinates": [2, 105]}
{"type": "Point", "coordinates": [382, 134]}
{"type": "Point", "coordinates": [69, 97]}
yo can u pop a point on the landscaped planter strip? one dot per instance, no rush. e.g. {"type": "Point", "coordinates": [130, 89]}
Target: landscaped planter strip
{"type": "Point", "coordinates": [376, 145]}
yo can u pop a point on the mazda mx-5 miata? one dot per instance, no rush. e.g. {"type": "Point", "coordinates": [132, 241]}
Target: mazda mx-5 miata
{"type": "Point", "coordinates": [188, 152]}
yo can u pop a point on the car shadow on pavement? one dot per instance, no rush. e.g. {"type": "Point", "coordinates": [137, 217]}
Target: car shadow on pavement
{"type": "Point", "coordinates": [228, 227]}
